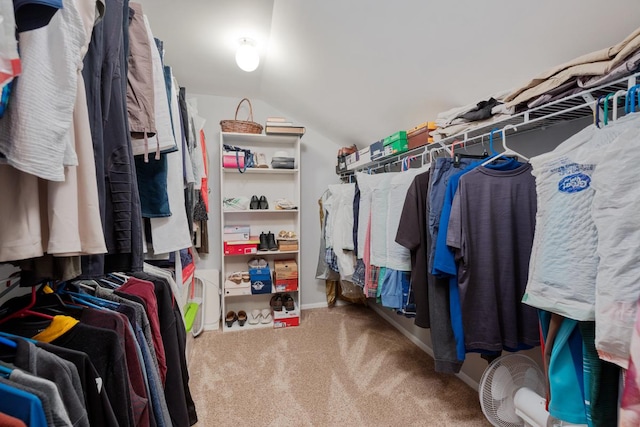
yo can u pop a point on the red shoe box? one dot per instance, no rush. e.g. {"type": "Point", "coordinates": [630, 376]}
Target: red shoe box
{"type": "Point", "coordinates": [286, 285]}
{"type": "Point", "coordinates": [240, 247]}
{"type": "Point", "coordinates": [286, 322]}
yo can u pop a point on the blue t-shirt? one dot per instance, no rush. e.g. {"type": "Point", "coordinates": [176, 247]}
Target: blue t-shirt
{"type": "Point", "coordinates": [22, 405]}
{"type": "Point", "coordinates": [444, 262]}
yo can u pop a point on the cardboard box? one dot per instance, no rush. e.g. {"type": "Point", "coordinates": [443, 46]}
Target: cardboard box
{"type": "Point", "coordinates": [232, 288]}
{"type": "Point", "coordinates": [239, 229]}
{"type": "Point", "coordinates": [401, 134]}
{"type": "Point", "coordinates": [288, 245]}
{"type": "Point", "coordinates": [285, 319]}
{"type": "Point", "coordinates": [285, 285]}
{"type": "Point", "coordinates": [260, 280]}
{"type": "Point", "coordinates": [234, 237]}
{"type": "Point", "coordinates": [376, 149]}
{"type": "Point", "coordinates": [241, 248]}
{"type": "Point", "coordinates": [420, 135]}
{"type": "Point", "coordinates": [286, 323]}
{"type": "Point", "coordinates": [286, 269]}
{"type": "Point", "coordinates": [352, 158]}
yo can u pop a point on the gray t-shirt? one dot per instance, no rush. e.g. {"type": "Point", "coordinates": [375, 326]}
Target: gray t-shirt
{"type": "Point", "coordinates": [491, 229]}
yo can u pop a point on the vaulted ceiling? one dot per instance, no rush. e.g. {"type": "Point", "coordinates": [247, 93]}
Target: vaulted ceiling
{"type": "Point", "coordinates": [358, 70]}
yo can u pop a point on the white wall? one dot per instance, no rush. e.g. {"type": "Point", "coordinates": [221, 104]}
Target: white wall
{"type": "Point", "coordinates": [317, 171]}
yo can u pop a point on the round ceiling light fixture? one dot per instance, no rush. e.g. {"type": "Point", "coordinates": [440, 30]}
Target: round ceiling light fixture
{"type": "Point", "coordinates": [247, 56]}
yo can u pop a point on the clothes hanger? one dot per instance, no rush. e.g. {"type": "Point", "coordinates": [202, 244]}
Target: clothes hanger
{"type": "Point", "coordinates": [630, 102]}
{"type": "Point", "coordinates": [507, 151]}
{"type": "Point", "coordinates": [615, 103]}
{"type": "Point", "coordinates": [14, 337]}
{"type": "Point", "coordinates": [26, 311]}
{"type": "Point", "coordinates": [8, 342]}
{"type": "Point", "coordinates": [606, 107]}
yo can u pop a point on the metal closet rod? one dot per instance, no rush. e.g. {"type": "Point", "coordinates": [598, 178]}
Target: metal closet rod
{"type": "Point", "coordinates": [521, 120]}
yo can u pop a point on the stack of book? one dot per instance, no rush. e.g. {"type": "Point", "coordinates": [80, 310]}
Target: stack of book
{"type": "Point", "coordinates": [280, 126]}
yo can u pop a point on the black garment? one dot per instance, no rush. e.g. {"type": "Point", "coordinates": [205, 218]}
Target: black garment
{"type": "Point", "coordinates": [177, 392]}
{"type": "Point", "coordinates": [97, 402]}
{"type": "Point", "coordinates": [356, 214]}
{"type": "Point", "coordinates": [105, 70]}
{"type": "Point", "coordinates": [412, 234]}
{"type": "Point", "coordinates": [114, 321]}
{"type": "Point", "coordinates": [106, 354]}
{"type": "Point", "coordinates": [602, 390]}
{"type": "Point", "coordinates": [482, 111]}
{"type": "Point", "coordinates": [31, 15]}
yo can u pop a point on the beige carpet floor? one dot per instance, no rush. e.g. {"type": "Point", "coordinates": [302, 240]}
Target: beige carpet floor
{"type": "Point", "coordinates": [343, 366]}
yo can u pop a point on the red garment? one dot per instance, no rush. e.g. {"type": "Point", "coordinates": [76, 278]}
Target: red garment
{"type": "Point", "coordinates": [9, 421]}
{"type": "Point", "coordinates": [145, 290]}
{"type": "Point", "coordinates": [204, 189]}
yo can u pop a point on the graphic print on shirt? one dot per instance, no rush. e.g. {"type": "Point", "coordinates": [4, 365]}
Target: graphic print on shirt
{"type": "Point", "coordinates": [574, 176]}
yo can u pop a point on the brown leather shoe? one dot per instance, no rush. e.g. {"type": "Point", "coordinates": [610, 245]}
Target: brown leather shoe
{"type": "Point", "coordinates": [242, 317]}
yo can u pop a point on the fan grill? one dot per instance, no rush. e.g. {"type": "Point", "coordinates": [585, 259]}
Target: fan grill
{"type": "Point", "coordinates": [499, 383]}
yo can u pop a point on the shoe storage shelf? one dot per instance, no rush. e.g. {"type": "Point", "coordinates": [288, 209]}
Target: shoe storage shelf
{"type": "Point", "coordinates": [273, 212]}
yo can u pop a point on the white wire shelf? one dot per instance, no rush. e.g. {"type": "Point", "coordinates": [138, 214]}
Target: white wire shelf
{"type": "Point", "coordinates": [564, 110]}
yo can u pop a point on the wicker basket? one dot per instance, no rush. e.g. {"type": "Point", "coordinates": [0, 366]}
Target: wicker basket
{"type": "Point", "coordinates": [241, 126]}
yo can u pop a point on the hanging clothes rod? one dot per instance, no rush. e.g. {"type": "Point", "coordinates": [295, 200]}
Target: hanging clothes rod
{"type": "Point", "coordinates": [572, 107]}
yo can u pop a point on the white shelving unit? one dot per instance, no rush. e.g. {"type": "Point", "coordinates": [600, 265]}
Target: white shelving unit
{"type": "Point", "coordinates": [274, 184]}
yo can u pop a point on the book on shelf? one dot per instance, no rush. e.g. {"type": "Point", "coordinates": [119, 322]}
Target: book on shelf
{"type": "Point", "coordinates": [288, 124]}
{"type": "Point", "coordinates": [276, 119]}
{"type": "Point", "coordinates": [288, 130]}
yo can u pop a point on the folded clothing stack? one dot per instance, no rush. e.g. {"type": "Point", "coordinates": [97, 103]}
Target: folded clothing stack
{"type": "Point", "coordinates": [282, 160]}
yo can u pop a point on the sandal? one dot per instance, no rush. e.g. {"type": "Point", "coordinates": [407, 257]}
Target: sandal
{"type": "Point", "coordinates": [266, 316]}
{"type": "Point", "coordinates": [256, 317]}
{"type": "Point", "coordinates": [230, 318]}
{"type": "Point", "coordinates": [276, 302]}
{"type": "Point", "coordinates": [288, 303]}
{"type": "Point", "coordinates": [287, 235]}
{"type": "Point", "coordinates": [284, 204]}
{"type": "Point", "coordinates": [242, 317]}
{"type": "Point", "coordinates": [236, 277]}
{"type": "Point", "coordinates": [245, 276]}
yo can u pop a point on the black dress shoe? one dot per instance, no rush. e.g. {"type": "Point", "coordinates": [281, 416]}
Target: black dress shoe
{"type": "Point", "coordinates": [255, 203]}
{"type": "Point", "coordinates": [264, 243]}
{"type": "Point", "coordinates": [263, 204]}
{"type": "Point", "coordinates": [271, 242]}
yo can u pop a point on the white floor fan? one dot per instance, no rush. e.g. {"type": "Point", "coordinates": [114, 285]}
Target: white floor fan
{"type": "Point", "coordinates": [512, 393]}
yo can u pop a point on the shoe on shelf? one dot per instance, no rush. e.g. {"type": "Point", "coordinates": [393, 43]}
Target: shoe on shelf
{"type": "Point", "coordinates": [287, 302]}
{"type": "Point", "coordinates": [262, 203]}
{"type": "Point", "coordinates": [255, 203]}
{"type": "Point", "coordinates": [257, 263]}
{"type": "Point", "coordinates": [285, 205]}
{"type": "Point", "coordinates": [239, 203]}
{"type": "Point", "coordinates": [236, 277]}
{"type": "Point", "coordinates": [264, 243]}
{"type": "Point", "coordinates": [276, 302]}
{"type": "Point", "coordinates": [231, 317]}
{"type": "Point", "coordinates": [345, 151]}
{"type": "Point", "coordinates": [260, 161]}
{"type": "Point", "coordinates": [266, 316]}
{"type": "Point", "coordinates": [271, 242]}
{"type": "Point", "coordinates": [287, 235]}
{"type": "Point", "coordinates": [242, 317]}
{"type": "Point", "coordinates": [245, 277]}
{"type": "Point", "coordinates": [255, 317]}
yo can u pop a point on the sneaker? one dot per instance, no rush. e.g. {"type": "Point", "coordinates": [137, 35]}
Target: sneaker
{"type": "Point", "coordinates": [236, 203]}
{"type": "Point", "coordinates": [257, 262]}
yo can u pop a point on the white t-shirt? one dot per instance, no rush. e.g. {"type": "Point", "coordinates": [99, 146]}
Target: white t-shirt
{"type": "Point", "coordinates": [398, 257]}
{"type": "Point", "coordinates": [563, 265]}
{"type": "Point", "coordinates": [616, 214]}
{"type": "Point", "coordinates": [366, 184]}
{"type": "Point", "coordinates": [379, 208]}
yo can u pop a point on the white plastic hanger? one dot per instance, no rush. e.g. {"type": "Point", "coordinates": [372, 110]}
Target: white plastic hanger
{"type": "Point", "coordinates": [507, 151]}
{"type": "Point", "coordinates": [615, 103]}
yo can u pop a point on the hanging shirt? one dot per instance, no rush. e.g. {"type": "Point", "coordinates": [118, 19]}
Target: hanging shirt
{"type": "Point", "coordinates": [412, 234]}
{"type": "Point", "coordinates": [491, 225]}
{"type": "Point", "coordinates": [564, 259]}
{"type": "Point", "coordinates": [366, 183]}
{"type": "Point", "coordinates": [379, 211]}
{"type": "Point", "coordinates": [615, 212]}
{"type": "Point", "coordinates": [398, 256]}
{"type": "Point", "coordinates": [21, 405]}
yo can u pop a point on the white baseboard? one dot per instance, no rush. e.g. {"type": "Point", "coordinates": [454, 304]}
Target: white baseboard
{"type": "Point", "coordinates": [424, 347]}
{"type": "Point", "coordinates": [324, 304]}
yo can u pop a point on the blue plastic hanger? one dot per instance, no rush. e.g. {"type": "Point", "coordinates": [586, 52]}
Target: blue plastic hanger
{"type": "Point", "coordinates": [4, 371]}
{"type": "Point", "coordinates": [8, 342]}
{"type": "Point", "coordinates": [94, 300]}
{"type": "Point", "coordinates": [630, 102]}
{"type": "Point", "coordinates": [11, 336]}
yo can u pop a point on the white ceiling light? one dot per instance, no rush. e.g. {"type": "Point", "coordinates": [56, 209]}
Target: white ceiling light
{"type": "Point", "coordinates": [247, 56]}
